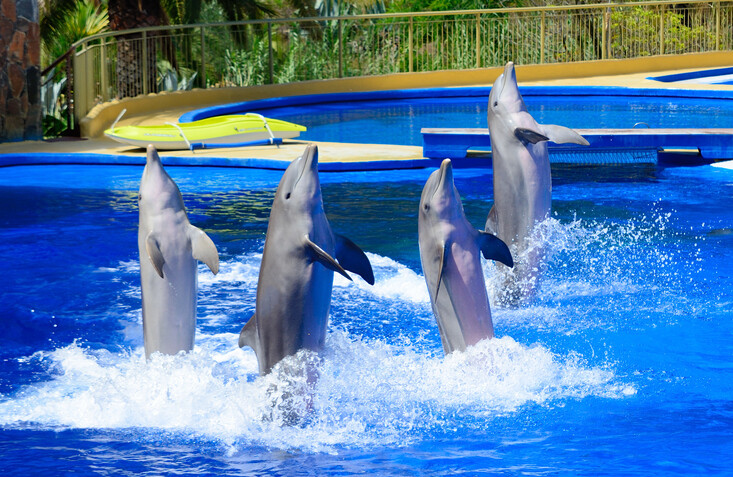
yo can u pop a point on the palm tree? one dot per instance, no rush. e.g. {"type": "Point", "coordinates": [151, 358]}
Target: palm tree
{"type": "Point", "coordinates": [64, 22]}
{"type": "Point", "coordinates": [126, 15]}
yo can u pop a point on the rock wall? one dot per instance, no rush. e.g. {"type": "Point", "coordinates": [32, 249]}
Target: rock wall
{"type": "Point", "coordinates": [20, 73]}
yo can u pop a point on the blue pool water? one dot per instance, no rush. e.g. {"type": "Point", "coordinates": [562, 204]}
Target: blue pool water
{"type": "Point", "coordinates": [714, 76]}
{"type": "Point", "coordinates": [396, 117]}
{"type": "Point", "coordinates": [622, 365]}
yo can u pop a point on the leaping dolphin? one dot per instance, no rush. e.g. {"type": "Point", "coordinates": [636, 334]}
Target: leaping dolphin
{"type": "Point", "coordinates": [169, 247]}
{"type": "Point", "coordinates": [449, 253]}
{"type": "Point", "coordinates": [296, 275]}
{"type": "Point", "coordinates": [522, 180]}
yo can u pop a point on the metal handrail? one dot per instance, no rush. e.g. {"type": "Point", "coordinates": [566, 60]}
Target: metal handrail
{"type": "Point", "coordinates": [375, 16]}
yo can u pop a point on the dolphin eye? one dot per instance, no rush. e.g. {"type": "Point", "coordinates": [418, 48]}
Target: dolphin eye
{"type": "Point", "coordinates": [426, 206]}
{"type": "Point", "coordinates": [496, 103]}
{"type": "Point", "coordinates": [287, 196]}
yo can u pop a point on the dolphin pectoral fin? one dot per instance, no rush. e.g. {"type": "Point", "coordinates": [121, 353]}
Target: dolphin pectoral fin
{"type": "Point", "coordinates": [319, 255]}
{"type": "Point", "coordinates": [493, 248]}
{"type": "Point", "coordinates": [443, 253]}
{"type": "Point", "coordinates": [204, 249]}
{"type": "Point", "coordinates": [530, 135]}
{"type": "Point", "coordinates": [248, 335]}
{"type": "Point", "coordinates": [563, 135]}
{"type": "Point", "coordinates": [491, 221]}
{"type": "Point", "coordinates": [352, 258]}
{"type": "Point", "coordinates": [154, 254]}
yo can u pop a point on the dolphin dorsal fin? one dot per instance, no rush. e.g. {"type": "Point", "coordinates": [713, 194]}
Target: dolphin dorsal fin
{"type": "Point", "coordinates": [530, 135]}
{"type": "Point", "coordinates": [154, 253]}
{"type": "Point", "coordinates": [248, 336]}
{"type": "Point", "coordinates": [563, 135]}
{"type": "Point", "coordinates": [493, 248]}
{"type": "Point", "coordinates": [352, 258]}
{"type": "Point", "coordinates": [203, 248]}
{"type": "Point", "coordinates": [319, 255]}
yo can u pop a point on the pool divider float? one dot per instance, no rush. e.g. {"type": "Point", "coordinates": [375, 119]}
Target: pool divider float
{"type": "Point", "coordinates": [236, 130]}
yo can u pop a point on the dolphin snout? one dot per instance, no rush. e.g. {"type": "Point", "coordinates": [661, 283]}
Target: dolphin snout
{"type": "Point", "coordinates": [311, 157]}
{"type": "Point", "coordinates": [446, 176]}
{"type": "Point", "coordinates": [509, 73]}
{"type": "Point", "coordinates": [152, 154]}
{"type": "Point", "coordinates": [446, 169]}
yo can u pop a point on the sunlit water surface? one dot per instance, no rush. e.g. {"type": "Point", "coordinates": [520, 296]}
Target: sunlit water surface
{"type": "Point", "coordinates": [620, 366]}
{"type": "Point", "coordinates": [400, 120]}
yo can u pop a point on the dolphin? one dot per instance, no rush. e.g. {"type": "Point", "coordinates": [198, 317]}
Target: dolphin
{"type": "Point", "coordinates": [521, 166]}
{"type": "Point", "coordinates": [296, 275]}
{"type": "Point", "coordinates": [169, 247]}
{"type": "Point", "coordinates": [450, 249]}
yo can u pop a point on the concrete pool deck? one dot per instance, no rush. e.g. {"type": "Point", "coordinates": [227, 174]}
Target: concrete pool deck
{"type": "Point", "coordinates": [333, 156]}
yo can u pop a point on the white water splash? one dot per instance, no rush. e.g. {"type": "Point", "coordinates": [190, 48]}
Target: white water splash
{"type": "Point", "coordinates": [392, 281]}
{"type": "Point", "coordinates": [368, 392]}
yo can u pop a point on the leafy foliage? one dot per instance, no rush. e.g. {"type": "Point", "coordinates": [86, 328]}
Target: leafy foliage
{"type": "Point", "coordinates": [444, 5]}
{"type": "Point", "coordinates": [171, 80]}
{"type": "Point", "coordinates": [636, 33]}
{"type": "Point", "coordinates": [55, 108]}
{"type": "Point", "coordinates": [70, 23]}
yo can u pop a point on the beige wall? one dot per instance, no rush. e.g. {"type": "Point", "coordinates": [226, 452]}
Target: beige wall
{"type": "Point", "coordinates": [161, 107]}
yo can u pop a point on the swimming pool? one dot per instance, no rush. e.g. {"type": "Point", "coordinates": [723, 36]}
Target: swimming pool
{"type": "Point", "coordinates": [621, 366]}
{"type": "Point", "coordinates": [396, 117]}
{"type": "Point", "coordinates": [714, 76]}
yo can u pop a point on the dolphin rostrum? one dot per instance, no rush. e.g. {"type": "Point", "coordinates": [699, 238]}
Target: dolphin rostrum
{"type": "Point", "coordinates": [521, 166]}
{"type": "Point", "coordinates": [296, 275]}
{"type": "Point", "coordinates": [450, 249]}
{"type": "Point", "coordinates": [169, 247]}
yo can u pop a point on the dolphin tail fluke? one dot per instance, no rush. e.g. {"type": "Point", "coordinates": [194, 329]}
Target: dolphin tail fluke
{"type": "Point", "coordinates": [319, 255]}
{"type": "Point", "coordinates": [563, 135]}
{"type": "Point", "coordinates": [248, 335]}
{"type": "Point", "coordinates": [493, 248]}
{"type": "Point", "coordinates": [154, 253]}
{"type": "Point", "coordinates": [352, 258]}
{"type": "Point", "coordinates": [204, 249]}
{"type": "Point", "coordinates": [530, 135]}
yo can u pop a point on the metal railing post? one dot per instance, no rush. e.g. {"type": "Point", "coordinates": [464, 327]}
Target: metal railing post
{"type": "Point", "coordinates": [146, 73]}
{"type": "Point", "coordinates": [270, 59]}
{"type": "Point", "coordinates": [203, 58]}
{"type": "Point", "coordinates": [661, 29]}
{"type": "Point", "coordinates": [478, 40]}
{"type": "Point", "coordinates": [605, 32]}
{"type": "Point", "coordinates": [542, 38]}
{"type": "Point", "coordinates": [717, 25]}
{"type": "Point", "coordinates": [409, 46]}
{"type": "Point", "coordinates": [341, 48]}
{"type": "Point", "coordinates": [103, 77]}
{"type": "Point", "coordinates": [81, 82]}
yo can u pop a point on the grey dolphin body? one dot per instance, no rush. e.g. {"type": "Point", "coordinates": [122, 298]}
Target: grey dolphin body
{"type": "Point", "coordinates": [169, 247]}
{"type": "Point", "coordinates": [296, 275]}
{"type": "Point", "coordinates": [450, 250]}
{"type": "Point", "coordinates": [522, 181]}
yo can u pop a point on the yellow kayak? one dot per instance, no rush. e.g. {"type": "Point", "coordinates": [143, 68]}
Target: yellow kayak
{"type": "Point", "coordinates": [220, 131]}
